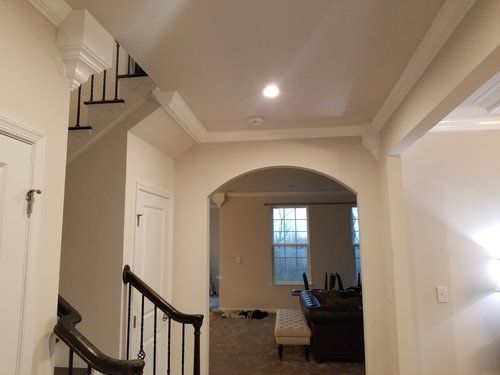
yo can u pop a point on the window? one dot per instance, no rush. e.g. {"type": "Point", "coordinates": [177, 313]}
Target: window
{"type": "Point", "coordinates": [355, 237]}
{"type": "Point", "coordinates": [290, 244]}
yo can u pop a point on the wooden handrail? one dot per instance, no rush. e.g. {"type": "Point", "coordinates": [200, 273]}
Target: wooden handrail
{"type": "Point", "coordinates": [159, 301]}
{"type": "Point", "coordinates": [65, 329]}
{"type": "Point", "coordinates": [196, 320]}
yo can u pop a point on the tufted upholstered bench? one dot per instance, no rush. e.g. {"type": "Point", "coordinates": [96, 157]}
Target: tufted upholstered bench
{"type": "Point", "coordinates": [291, 329]}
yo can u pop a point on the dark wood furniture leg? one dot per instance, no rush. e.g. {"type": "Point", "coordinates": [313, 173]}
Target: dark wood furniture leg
{"type": "Point", "coordinates": [280, 351]}
{"type": "Point", "coordinates": [306, 349]}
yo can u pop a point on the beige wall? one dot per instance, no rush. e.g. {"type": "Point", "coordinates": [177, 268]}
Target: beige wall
{"type": "Point", "coordinates": [33, 92]}
{"type": "Point", "coordinates": [92, 246]}
{"type": "Point", "coordinates": [454, 211]}
{"type": "Point", "coordinates": [98, 231]}
{"type": "Point", "coordinates": [245, 232]}
{"type": "Point", "coordinates": [203, 169]}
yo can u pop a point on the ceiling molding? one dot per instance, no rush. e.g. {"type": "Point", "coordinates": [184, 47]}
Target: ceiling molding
{"type": "Point", "coordinates": [266, 194]}
{"type": "Point", "coordinates": [370, 139]}
{"type": "Point", "coordinates": [55, 10]}
{"type": "Point", "coordinates": [177, 108]}
{"type": "Point", "coordinates": [302, 133]}
{"type": "Point", "coordinates": [490, 99]}
{"type": "Point", "coordinates": [460, 126]}
{"type": "Point", "coordinates": [448, 18]}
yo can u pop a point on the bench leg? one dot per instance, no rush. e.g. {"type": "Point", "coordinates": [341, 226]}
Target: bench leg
{"type": "Point", "coordinates": [280, 351]}
{"type": "Point", "coordinates": [306, 349]}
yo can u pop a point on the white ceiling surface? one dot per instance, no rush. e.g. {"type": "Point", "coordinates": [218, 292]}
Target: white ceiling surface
{"type": "Point", "coordinates": [290, 180]}
{"type": "Point", "coordinates": [481, 111]}
{"type": "Point", "coordinates": [334, 60]}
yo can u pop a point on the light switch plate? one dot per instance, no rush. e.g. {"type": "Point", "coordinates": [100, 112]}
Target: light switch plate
{"type": "Point", "coordinates": [442, 294]}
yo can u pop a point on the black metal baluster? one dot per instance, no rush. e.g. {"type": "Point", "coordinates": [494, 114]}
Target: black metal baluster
{"type": "Point", "coordinates": [197, 332]}
{"type": "Point", "coordinates": [154, 344]}
{"type": "Point", "coordinates": [128, 319]}
{"type": "Point", "coordinates": [168, 347]}
{"type": "Point", "coordinates": [104, 86]}
{"type": "Point", "coordinates": [183, 341]}
{"type": "Point", "coordinates": [78, 107]}
{"type": "Point", "coordinates": [142, 354]}
{"type": "Point", "coordinates": [77, 126]}
{"type": "Point", "coordinates": [92, 88]}
{"type": "Point", "coordinates": [128, 65]}
{"type": "Point", "coordinates": [116, 72]}
{"type": "Point", "coordinates": [70, 362]}
{"type": "Point", "coordinates": [89, 370]}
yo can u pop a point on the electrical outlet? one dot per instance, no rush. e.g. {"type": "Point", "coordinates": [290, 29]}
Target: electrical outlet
{"type": "Point", "coordinates": [238, 260]}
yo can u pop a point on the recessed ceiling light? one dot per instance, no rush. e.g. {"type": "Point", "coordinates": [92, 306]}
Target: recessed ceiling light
{"type": "Point", "coordinates": [271, 91]}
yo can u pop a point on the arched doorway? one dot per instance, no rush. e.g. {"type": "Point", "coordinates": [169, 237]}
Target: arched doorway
{"type": "Point", "coordinates": [267, 228]}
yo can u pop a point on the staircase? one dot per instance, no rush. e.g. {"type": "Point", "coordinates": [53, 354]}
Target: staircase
{"type": "Point", "coordinates": [105, 100]}
{"type": "Point", "coordinates": [147, 361]}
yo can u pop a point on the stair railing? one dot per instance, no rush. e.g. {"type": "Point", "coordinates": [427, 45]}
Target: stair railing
{"type": "Point", "coordinates": [196, 320]}
{"type": "Point", "coordinates": [107, 79]}
{"type": "Point", "coordinates": [78, 344]}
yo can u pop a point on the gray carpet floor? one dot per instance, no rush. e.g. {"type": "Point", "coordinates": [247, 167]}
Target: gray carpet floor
{"type": "Point", "coordinates": [247, 346]}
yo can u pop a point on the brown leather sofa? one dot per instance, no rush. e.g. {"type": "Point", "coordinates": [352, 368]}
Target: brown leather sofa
{"type": "Point", "coordinates": [336, 324]}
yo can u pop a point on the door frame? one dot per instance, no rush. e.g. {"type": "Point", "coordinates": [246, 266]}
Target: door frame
{"type": "Point", "coordinates": [36, 140]}
{"type": "Point", "coordinates": [163, 193]}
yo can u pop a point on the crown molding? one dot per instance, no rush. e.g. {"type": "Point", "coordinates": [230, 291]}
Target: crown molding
{"type": "Point", "coordinates": [461, 126]}
{"type": "Point", "coordinates": [268, 194]}
{"type": "Point", "coordinates": [370, 139]}
{"type": "Point", "coordinates": [55, 10]}
{"type": "Point", "coordinates": [448, 18]}
{"type": "Point", "coordinates": [490, 99]}
{"type": "Point", "coordinates": [301, 133]}
{"type": "Point", "coordinates": [177, 108]}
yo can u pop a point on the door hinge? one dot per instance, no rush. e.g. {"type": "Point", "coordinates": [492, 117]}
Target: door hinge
{"type": "Point", "coordinates": [135, 321]}
{"type": "Point", "coordinates": [139, 219]}
{"type": "Point", "coordinates": [30, 198]}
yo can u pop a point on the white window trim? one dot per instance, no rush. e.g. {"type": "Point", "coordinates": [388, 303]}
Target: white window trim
{"type": "Point", "coordinates": [308, 246]}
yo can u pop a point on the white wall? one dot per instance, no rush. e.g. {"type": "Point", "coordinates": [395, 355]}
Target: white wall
{"type": "Point", "coordinates": [206, 167]}
{"type": "Point", "coordinates": [467, 60]}
{"type": "Point", "coordinates": [33, 92]}
{"type": "Point", "coordinates": [452, 189]}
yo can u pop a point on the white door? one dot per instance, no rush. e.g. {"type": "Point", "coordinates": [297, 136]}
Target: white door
{"type": "Point", "coordinates": [15, 181]}
{"type": "Point", "coordinates": [150, 264]}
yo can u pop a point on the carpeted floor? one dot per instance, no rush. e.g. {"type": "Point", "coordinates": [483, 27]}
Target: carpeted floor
{"type": "Point", "coordinates": [247, 346]}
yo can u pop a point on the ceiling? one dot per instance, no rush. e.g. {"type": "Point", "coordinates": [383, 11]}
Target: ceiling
{"type": "Point", "coordinates": [336, 61]}
{"type": "Point", "coordinates": [278, 180]}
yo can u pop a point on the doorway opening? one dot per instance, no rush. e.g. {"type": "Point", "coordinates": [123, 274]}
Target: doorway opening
{"type": "Point", "coordinates": [273, 233]}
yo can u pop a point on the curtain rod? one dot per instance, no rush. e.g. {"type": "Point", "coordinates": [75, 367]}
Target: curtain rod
{"type": "Point", "coordinates": [308, 204]}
